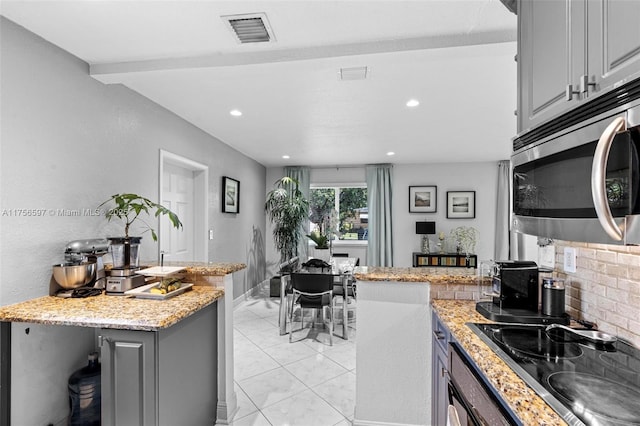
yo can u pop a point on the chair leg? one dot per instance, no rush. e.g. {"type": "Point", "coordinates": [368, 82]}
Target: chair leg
{"type": "Point", "coordinates": [331, 326]}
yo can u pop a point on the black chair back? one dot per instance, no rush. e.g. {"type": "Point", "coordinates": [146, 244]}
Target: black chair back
{"type": "Point", "coordinates": [311, 283]}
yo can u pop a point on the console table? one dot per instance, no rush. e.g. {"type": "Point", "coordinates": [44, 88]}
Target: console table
{"type": "Point", "coordinates": [445, 259]}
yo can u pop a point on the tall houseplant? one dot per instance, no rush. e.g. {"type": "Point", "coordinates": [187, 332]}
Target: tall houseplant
{"type": "Point", "coordinates": [287, 209]}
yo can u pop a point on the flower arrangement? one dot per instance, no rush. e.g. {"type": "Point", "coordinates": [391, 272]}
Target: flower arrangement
{"type": "Point", "coordinates": [465, 238]}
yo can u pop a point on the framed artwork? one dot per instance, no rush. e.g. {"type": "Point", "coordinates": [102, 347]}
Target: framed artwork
{"type": "Point", "coordinates": [461, 204]}
{"type": "Point", "coordinates": [231, 198]}
{"type": "Point", "coordinates": [423, 199]}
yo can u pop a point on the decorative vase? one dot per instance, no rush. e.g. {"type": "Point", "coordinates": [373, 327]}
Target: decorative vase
{"type": "Point", "coordinates": [425, 244]}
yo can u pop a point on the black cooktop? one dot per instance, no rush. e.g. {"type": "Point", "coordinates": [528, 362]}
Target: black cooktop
{"type": "Point", "coordinates": [586, 383]}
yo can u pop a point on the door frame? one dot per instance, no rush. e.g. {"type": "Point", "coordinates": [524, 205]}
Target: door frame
{"type": "Point", "coordinates": [200, 200]}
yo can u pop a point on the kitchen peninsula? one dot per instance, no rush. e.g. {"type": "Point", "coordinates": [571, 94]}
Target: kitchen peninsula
{"type": "Point", "coordinates": [393, 348]}
{"type": "Point", "coordinates": [153, 351]}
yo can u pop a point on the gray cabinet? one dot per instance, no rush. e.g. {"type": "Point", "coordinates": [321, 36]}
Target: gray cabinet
{"type": "Point", "coordinates": [439, 374]}
{"type": "Point", "coordinates": [570, 51]}
{"type": "Point", "coordinates": [165, 377]}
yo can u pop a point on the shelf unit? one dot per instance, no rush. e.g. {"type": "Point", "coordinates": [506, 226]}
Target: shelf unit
{"type": "Point", "coordinates": [445, 259]}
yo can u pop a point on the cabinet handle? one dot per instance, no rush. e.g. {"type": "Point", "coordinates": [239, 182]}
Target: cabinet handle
{"type": "Point", "coordinates": [570, 92]}
{"type": "Point", "coordinates": [439, 335]}
{"type": "Point", "coordinates": [102, 340]}
{"type": "Point", "coordinates": [443, 371]}
{"type": "Point", "coordinates": [598, 179]}
{"type": "Point", "coordinates": [585, 84]}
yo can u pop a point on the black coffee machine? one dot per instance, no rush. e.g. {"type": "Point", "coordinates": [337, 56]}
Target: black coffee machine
{"type": "Point", "coordinates": [515, 293]}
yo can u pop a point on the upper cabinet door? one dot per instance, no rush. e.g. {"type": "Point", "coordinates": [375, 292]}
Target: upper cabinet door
{"type": "Point", "coordinates": [614, 43]}
{"type": "Point", "coordinates": [571, 51]}
{"type": "Point", "coordinates": [544, 60]}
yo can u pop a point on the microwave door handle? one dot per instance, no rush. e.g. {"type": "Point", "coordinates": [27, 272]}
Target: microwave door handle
{"type": "Point", "coordinates": [598, 178]}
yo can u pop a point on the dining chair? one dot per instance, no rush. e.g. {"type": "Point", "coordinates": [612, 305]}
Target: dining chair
{"type": "Point", "coordinates": [338, 288]}
{"type": "Point", "coordinates": [312, 291]}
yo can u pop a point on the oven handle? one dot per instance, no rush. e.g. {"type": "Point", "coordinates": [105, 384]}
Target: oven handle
{"type": "Point", "coordinates": [598, 179]}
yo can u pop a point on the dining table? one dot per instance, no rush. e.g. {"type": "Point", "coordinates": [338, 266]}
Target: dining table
{"type": "Point", "coordinates": [342, 269]}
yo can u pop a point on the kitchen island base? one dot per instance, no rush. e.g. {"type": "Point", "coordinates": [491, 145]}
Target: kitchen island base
{"type": "Point", "coordinates": [165, 377]}
{"type": "Point", "coordinates": [393, 354]}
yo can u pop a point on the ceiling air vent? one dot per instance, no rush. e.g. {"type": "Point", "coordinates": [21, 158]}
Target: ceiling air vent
{"type": "Point", "coordinates": [355, 73]}
{"type": "Point", "coordinates": [250, 28]}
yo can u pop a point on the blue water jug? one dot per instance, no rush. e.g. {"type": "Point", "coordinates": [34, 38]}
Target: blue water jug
{"type": "Point", "coordinates": [85, 395]}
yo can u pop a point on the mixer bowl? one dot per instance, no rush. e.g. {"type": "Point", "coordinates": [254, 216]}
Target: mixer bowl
{"type": "Point", "coordinates": [70, 276]}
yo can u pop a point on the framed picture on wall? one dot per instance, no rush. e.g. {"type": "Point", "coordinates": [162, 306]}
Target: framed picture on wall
{"type": "Point", "coordinates": [461, 204]}
{"type": "Point", "coordinates": [423, 199]}
{"type": "Point", "coordinates": [231, 195]}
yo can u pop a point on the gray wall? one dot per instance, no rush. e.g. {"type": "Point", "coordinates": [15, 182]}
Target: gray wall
{"type": "Point", "coordinates": [69, 142]}
{"type": "Point", "coordinates": [481, 177]}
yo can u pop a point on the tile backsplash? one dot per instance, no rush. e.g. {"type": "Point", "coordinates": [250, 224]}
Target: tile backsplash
{"type": "Point", "coordinates": [605, 288]}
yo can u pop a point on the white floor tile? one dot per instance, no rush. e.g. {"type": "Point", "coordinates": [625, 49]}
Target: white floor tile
{"type": "Point", "coordinates": [286, 353]}
{"type": "Point", "coordinates": [315, 370]}
{"type": "Point", "coordinates": [305, 408]}
{"type": "Point", "coordinates": [242, 344]}
{"type": "Point", "coordinates": [273, 386]}
{"type": "Point", "coordinates": [255, 419]}
{"type": "Point", "coordinates": [252, 363]}
{"type": "Point", "coordinates": [304, 383]}
{"type": "Point", "coordinates": [250, 326]}
{"type": "Point", "coordinates": [245, 406]}
{"type": "Point", "coordinates": [266, 338]}
{"type": "Point", "coordinates": [345, 355]}
{"type": "Point", "coordinates": [241, 315]}
{"type": "Point", "coordinates": [340, 392]}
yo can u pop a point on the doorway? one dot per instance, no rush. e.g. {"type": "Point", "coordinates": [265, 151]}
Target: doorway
{"type": "Point", "coordinates": [183, 189]}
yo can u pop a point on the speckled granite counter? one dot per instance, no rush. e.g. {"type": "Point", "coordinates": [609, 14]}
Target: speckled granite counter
{"type": "Point", "coordinates": [434, 276]}
{"type": "Point", "coordinates": [524, 401]}
{"type": "Point", "coordinates": [112, 311]}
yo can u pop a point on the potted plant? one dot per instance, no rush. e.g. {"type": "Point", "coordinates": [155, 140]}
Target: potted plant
{"type": "Point", "coordinates": [128, 208]}
{"type": "Point", "coordinates": [325, 219]}
{"type": "Point", "coordinates": [287, 209]}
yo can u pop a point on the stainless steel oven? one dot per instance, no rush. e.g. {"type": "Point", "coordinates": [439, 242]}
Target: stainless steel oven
{"type": "Point", "coordinates": [475, 402]}
{"type": "Point", "coordinates": [582, 184]}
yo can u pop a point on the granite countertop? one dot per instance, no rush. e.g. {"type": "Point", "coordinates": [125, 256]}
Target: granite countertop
{"type": "Point", "coordinates": [440, 275]}
{"type": "Point", "coordinates": [200, 268]}
{"type": "Point", "coordinates": [524, 401]}
{"type": "Point", "coordinates": [119, 312]}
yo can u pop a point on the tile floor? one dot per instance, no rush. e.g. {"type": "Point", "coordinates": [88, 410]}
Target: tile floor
{"type": "Point", "coordinates": [278, 383]}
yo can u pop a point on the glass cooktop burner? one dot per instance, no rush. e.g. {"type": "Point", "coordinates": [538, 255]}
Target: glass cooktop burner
{"type": "Point", "coordinates": [587, 384]}
{"type": "Point", "coordinates": [584, 392]}
{"type": "Point", "coordinates": [535, 342]}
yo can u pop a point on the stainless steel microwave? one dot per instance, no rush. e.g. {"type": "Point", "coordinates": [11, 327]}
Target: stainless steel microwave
{"type": "Point", "coordinates": [582, 184]}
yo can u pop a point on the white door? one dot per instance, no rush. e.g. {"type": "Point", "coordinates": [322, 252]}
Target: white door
{"type": "Point", "coordinates": [178, 196]}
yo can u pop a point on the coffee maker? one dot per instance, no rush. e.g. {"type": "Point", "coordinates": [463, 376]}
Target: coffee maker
{"type": "Point", "coordinates": [124, 275]}
{"type": "Point", "coordinates": [515, 293]}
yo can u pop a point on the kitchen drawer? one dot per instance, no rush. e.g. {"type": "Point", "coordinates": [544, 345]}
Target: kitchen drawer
{"type": "Point", "coordinates": [441, 334]}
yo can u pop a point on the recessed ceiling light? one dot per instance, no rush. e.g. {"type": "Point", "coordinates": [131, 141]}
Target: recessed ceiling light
{"type": "Point", "coordinates": [235, 112]}
{"type": "Point", "coordinates": [413, 103]}
{"type": "Point", "coordinates": [286, 157]}
{"type": "Point", "coordinates": [390, 153]}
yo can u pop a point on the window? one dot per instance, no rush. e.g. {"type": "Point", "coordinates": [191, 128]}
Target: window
{"type": "Point", "coordinates": [342, 208]}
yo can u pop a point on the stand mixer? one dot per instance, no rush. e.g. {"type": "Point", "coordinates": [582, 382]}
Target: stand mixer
{"type": "Point", "coordinates": [83, 273]}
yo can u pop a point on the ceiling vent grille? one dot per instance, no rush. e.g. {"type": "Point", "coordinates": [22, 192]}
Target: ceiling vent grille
{"type": "Point", "coordinates": [355, 73]}
{"type": "Point", "coordinates": [250, 28]}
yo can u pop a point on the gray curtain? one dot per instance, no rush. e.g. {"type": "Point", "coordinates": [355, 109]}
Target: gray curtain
{"type": "Point", "coordinates": [379, 195]}
{"type": "Point", "coordinates": [501, 250]}
{"type": "Point", "coordinates": [302, 175]}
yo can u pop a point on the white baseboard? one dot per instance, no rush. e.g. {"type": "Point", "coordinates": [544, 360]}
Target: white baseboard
{"type": "Point", "coordinates": [253, 291]}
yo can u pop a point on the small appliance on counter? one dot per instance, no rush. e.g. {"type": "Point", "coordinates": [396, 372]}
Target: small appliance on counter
{"type": "Point", "coordinates": [124, 276]}
{"type": "Point", "coordinates": [82, 273]}
{"type": "Point", "coordinates": [515, 293]}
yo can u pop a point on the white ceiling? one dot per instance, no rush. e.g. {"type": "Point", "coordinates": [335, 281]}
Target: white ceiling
{"type": "Point", "coordinates": [455, 56]}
